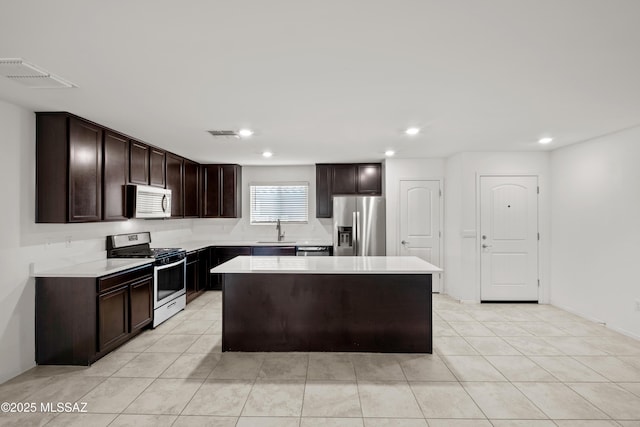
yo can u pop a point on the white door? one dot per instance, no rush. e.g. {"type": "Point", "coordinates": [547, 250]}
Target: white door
{"type": "Point", "coordinates": [508, 238]}
{"type": "Point", "coordinates": [420, 223]}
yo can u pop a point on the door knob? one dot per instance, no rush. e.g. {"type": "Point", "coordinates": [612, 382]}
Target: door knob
{"type": "Point", "coordinates": [486, 246]}
{"type": "Point", "coordinates": [404, 242]}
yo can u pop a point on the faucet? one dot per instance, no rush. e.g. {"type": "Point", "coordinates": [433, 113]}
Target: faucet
{"type": "Point", "coordinates": [279, 231]}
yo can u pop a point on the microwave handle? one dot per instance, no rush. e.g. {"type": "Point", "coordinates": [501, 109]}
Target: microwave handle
{"type": "Point", "coordinates": [164, 203]}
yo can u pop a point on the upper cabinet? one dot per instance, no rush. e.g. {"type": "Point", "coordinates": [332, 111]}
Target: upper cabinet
{"type": "Point", "coordinates": [175, 183]}
{"type": "Point", "coordinates": [324, 185]}
{"type": "Point", "coordinates": [369, 179]}
{"type": "Point", "coordinates": [115, 176]}
{"type": "Point", "coordinates": [191, 189]}
{"type": "Point", "coordinates": [345, 179]}
{"type": "Point", "coordinates": [146, 165]}
{"type": "Point", "coordinates": [68, 169]}
{"type": "Point", "coordinates": [157, 161]}
{"type": "Point", "coordinates": [138, 163]}
{"type": "Point", "coordinates": [221, 191]}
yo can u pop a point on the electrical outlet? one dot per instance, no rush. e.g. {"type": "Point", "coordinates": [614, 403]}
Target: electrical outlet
{"type": "Point", "coordinates": [67, 241]}
{"type": "Point", "coordinates": [638, 305]}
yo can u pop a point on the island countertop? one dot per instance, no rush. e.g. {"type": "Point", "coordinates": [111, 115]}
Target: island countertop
{"type": "Point", "coordinates": [327, 265]}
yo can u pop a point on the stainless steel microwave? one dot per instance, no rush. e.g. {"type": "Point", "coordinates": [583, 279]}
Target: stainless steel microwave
{"type": "Point", "coordinates": [144, 201]}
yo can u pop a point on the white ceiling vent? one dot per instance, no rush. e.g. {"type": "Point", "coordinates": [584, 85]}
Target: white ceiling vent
{"type": "Point", "coordinates": [225, 133]}
{"type": "Point", "coordinates": [30, 75]}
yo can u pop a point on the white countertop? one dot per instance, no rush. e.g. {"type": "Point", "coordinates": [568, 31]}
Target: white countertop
{"type": "Point", "coordinates": [327, 265]}
{"type": "Point", "coordinates": [99, 268]}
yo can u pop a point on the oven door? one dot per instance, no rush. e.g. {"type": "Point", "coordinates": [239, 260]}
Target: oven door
{"type": "Point", "coordinates": [169, 282]}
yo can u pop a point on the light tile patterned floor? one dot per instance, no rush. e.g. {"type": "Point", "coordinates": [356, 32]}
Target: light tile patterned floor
{"type": "Point", "coordinates": [494, 364]}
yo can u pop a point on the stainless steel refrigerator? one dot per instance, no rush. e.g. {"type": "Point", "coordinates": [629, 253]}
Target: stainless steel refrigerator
{"type": "Point", "coordinates": [359, 226]}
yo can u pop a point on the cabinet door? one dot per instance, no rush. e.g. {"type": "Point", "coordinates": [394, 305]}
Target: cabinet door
{"type": "Point", "coordinates": [141, 303]}
{"type": "Point", "coordinates": [116, 166]}
{"type": "Point", "coordinates": [370, 179]}
{"type": "Point", "coordinates": [85, 171]}
{"type": "Point", "coordinates": [211, 191]}
{"type": "Point", "coordinates": [191, 189]}
{"type": "Point", "coordinates": [273, 250]}
{"type": "Point", "coordinates": [113, 318]}
{"type": "Point", "coordinates": [157, 159]}
{"type": "Point", "coordinates": [192, 274]}
{"type": "Point", "coordinates": [344, 179]}
{"type": "Point", "coordinates": [204, 265]}
{"type": "Point", "coordinates": [324, 202]}
{"type": "Point", "coordinates": [231, 191]}
{"type": "Point", "coordinates": [175, 178]}
{"type": "Point", "coordinates": [138, 163]}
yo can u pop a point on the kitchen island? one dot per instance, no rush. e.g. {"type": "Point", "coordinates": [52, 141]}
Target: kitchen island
{"type": "Point", "coordinates": [366, 304]}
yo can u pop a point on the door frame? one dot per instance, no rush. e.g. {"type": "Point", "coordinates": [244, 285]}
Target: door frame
{"type": "Point", "coordinates": [441, 224]}
{"type": "Point", "coordinates": [543, 290]}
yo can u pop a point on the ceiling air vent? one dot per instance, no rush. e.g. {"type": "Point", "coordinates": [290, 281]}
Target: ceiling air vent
{"type": "Point", "coordinates": [30, 75]}
{"type": "Point", "coordinates": [225, 133]}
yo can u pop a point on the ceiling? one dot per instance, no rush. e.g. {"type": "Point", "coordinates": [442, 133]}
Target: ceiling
{"type": "Point", "coordinates": [334, 80]}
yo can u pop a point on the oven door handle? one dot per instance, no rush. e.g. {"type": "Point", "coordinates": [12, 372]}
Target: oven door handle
{"type": "Point", "coordinates": [163, 267]}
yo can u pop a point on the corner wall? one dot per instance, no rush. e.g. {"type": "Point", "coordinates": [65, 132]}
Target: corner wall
{"type": "Point", "coordinates": [595, 220]}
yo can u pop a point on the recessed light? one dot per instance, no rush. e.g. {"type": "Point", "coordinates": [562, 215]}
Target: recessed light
{"type": "Point", "coordinates": [267, 154]}
{"type": "Point", "coordinates": [389, 153]}
{"type": "Point", "coordinates": [545, 140]}
{"type": "Point", "coordinates": [245, 132]}
{"type": "Point", "coordinates": [412, 131]}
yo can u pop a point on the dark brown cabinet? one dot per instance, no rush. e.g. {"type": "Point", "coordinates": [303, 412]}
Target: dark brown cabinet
{"type": "Point", "coordinates": [191, 189]}
{"type": "Point", "coordinates": [80, 319]}
{"type": "Point", "coordinates": [324, 184]}
{"type": "Point", "coordinates": [115, 173]}
{"type": "Point", "coordinates": [175, 182]}
{"type": "Point", "coordinates": [273, 251]}
{"type": "Point", "coordinates": [345, 179]}
{"type": "Point", "coordinates": [222, 191]}
{"type": "Point", "coordinates": [141, 300]}
{"type": "Point", "coordinates": [138, 163]}
{"type": "Point", "coordinates": [157, 160]}
{"type": "Point", "coordinates": [369, 179]}
{"type": "Point", "coordinates": [196, 274]}
{"type": "Point", "coordinates": [113, 318]}
{"type": "Point", "coordinates": [68, 169]}
{"type": "Point", "coordinates": [221, 254]}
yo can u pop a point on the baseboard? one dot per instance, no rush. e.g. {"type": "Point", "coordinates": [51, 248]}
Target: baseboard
{"type": "Point", "coordinates": [596, 320]}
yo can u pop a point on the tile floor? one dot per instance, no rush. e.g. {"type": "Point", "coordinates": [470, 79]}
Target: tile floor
{"type": "Point", "coordinates": [494, 364]}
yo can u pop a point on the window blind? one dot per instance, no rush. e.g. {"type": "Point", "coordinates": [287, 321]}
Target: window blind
{"type": "Point", "coordinates": [286, 202]}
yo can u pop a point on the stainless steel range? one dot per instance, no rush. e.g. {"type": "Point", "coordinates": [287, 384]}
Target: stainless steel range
{"type": "Point", "coordinates": [169, 271]}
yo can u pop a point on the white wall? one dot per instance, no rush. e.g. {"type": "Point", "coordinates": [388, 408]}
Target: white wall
{"type": "Point", "coordinates": [596, 229]}
{"type": "Point", "coordinates": [403, 169]}
{"type": "Point", "coordinates": [461, 222]}
{"type": "Point", "coordinates": [23, 242]}
{"type": "Point", "coordinates": [241, 229]}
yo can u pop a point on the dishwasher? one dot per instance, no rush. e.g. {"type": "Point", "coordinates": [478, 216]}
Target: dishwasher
{"type": "Point", "coordinates": [314, 251]}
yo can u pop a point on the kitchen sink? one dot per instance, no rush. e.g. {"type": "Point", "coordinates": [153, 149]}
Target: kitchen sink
{"type": "Point", "coordinates": [275, 241]}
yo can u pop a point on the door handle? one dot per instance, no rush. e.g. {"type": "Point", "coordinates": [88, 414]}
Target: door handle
{"type": "Point", "coordinates": [486, 246]}
{"type": "Point", "coordinates": [404, 242]}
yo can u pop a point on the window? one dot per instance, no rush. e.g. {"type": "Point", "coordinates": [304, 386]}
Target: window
{"type": "Point", "coordinates": [287, 202]}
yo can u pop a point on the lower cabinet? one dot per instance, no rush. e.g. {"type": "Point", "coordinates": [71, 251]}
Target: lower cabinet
{"type": "Point", "coordinates": [81, 319]}
{"type": "Point", "coordinates": [197, 275]}
{"type": "Point", "coordinates": [220, 254]}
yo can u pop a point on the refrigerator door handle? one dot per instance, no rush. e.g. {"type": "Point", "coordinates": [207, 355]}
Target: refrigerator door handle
{"type": "Point", "coordinates": [359, 249]}
{"type": "Point", "coordinates": [355, 234]}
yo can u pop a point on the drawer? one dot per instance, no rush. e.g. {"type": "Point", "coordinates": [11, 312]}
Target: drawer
{"type": "Point", "coordinates": [124, 278]}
